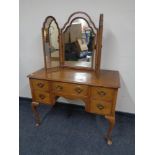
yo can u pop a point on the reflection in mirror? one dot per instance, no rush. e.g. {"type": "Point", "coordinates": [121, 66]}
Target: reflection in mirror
{"type": "Point", "coordinates": [79, 44]}
{"type": "Point", "coordinates": [51, 34]}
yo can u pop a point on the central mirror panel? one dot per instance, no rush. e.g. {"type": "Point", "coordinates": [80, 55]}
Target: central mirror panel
{"type": "Point", "coordinates": [79, 41]}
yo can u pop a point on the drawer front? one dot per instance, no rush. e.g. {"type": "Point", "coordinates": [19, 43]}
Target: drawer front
{"type": "Point", "coordinates": [102, 93]}
{"type": "Point", "coordinates": [70, 89]}
{"type": "Point", "coordinates": [42, 85]}
{"type": "Point", "coordinates": [100, 107]}
{"type": "Point", "coordinates": [42, 97]}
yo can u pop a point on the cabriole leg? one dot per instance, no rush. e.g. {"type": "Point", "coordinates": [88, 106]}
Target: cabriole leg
{"type": "Point", "coordinates": [36, 114]}
{"type": "Point", "coordinates": [111, 121]}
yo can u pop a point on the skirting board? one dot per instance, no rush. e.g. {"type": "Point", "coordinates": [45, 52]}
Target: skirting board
{"type": "Point", "coordinates": [78, 106]}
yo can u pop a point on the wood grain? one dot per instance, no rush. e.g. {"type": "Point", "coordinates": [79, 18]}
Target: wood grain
{"type": "Point", "coordinates": [100, 107]}
{"type": "Point", "coordinates": [102, 93]}
{"type": "Point", "coordinates": [106, 78]}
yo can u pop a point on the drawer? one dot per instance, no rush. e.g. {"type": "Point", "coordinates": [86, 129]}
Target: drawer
{"type": "Point", "coordinates": [42, 97]}
{"type": "Point", "coordinates": [102, 93]}
{"type": "Point", "coordinates": [100, 107]}
{"type": "Point", "coordinates": [70, 89]}
{"type": "Point", "coordinates": [42, 85]}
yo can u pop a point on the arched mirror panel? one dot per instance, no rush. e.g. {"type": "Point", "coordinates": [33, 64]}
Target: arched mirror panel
{"type": "Point", "coordinates": [51, 34]}
{"type": "Point", "coordinates": [79, 37]}
{"type": "Point", "coordinates": [79, 42]}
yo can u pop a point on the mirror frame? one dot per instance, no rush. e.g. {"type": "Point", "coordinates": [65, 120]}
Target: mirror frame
{"type": "Point", "coordinates": [94, 50]}
{"type": "Point", "coordinates": [87, 19]}
{"type": "Point", "coordinates": [44, 37]}
{"type": "Point", "coordinates": [98, 39]}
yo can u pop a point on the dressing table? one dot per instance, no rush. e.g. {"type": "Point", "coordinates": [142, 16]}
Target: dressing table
{"type": "Point", "coordinates": [72, 58]}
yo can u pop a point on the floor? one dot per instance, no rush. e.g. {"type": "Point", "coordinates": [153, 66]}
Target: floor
{"type": "Point", "coordinates": [75, 133]}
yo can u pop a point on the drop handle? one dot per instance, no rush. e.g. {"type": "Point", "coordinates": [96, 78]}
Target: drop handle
{"type": "Point", "coordinates": [101, 93]}
{"type": "Point", "coordinates": [40, 85]}
{"type": "Point", "coordinates": [100, 106]}
{"type": "Point", "coordinates": [59, 88]}
{"type": "Point", "coordinates": [78, 90]}
{"type": "Point", "coordinates": [42, 96]}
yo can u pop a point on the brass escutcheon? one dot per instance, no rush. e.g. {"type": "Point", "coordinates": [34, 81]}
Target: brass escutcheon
{"type": "Point", "coordinates": [59, 88]}
{"type": "Point", "coordinates": [42, 96]}
{"type": "Point", "coordinates": [40, 85]}
{"type": "Point", "coordinates": [101, 93]}
{"type": "Point", "coordinates": [78, 90]}
{"type": "Point", "coordinates": [100, 106]}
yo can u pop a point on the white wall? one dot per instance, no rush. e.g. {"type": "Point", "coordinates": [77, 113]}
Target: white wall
{"type": "Point", "coordinates": [118, 38]}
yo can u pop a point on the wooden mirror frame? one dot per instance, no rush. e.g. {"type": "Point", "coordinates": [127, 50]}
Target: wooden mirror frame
{"type": "Point", "coordinates": [98, 38]}
{"type": "Point", "coordinates": [44, 37]}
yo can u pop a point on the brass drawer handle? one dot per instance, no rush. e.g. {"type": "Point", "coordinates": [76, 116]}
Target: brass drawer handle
{"type": "Point", "coordinates": [59, 88]}
{"type": "Point", "coordinates": [101, 93]}
{"type": "Point", "coordinates": [78, 90]}
{"type": "Point", "coordinates": [100, 106]}
{"type": "Point", "coordinates": [42, 96]}
{"type": "Point", "coordinates": [40, 85]}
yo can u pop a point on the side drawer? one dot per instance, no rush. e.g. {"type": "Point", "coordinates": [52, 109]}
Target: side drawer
{"type": "Point", "coordinates": [42, 97]}
{"type": "Point", "coordinates": [102, 93]}
{"type": "Point", "coordinates": [100, 107]}
{"type": "Point", "coordinates": [42, 85]}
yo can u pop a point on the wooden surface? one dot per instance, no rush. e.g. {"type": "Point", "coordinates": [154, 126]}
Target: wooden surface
{"type": "Point", "coordinates": [77, 90]}
{"type": "Point", "coordinates": [100, 107]}
{"type": "Point", "coordinates": [78, 64]}
{"type": "Point", "coordinates": [105, 78]}
{"type": "Point", "coordinates": [102, 93]}
{"type": "Point", "coordinates": [98, 91]}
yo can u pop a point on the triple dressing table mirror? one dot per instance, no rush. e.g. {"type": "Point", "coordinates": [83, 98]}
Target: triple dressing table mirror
{"type": "Point", "coordinates": [72, 56]}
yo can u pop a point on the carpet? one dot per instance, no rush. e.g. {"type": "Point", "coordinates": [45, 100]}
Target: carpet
{"type": "Point", "coordinates": [69, 130]}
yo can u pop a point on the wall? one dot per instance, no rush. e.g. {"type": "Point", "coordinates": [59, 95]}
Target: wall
{"type": "Point", "coordinates": [118, 39]}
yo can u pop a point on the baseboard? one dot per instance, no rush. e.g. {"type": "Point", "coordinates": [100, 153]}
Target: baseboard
{"type": "Point", "coordinates": [125, 114]}
{"type": "Point", "coordinates": [25, 99]}
{"type": "Point", "coordinates": [79, 107]}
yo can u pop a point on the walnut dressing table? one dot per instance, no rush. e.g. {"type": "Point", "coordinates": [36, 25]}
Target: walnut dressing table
{"type": "Point", "coordinates": [97, 88]}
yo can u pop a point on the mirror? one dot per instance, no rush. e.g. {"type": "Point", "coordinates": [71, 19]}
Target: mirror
{"type": "Point", "coordinates": [79, 41]}
{"type": "Point", "coordinates": [51, 43]}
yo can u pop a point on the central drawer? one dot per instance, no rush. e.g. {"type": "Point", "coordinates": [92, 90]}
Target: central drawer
{"type": "Point", "coordinates": [70, 89]}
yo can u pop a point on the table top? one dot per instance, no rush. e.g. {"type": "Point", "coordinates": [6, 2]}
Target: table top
{"type": "Point", "coordinates": [106, 78]}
